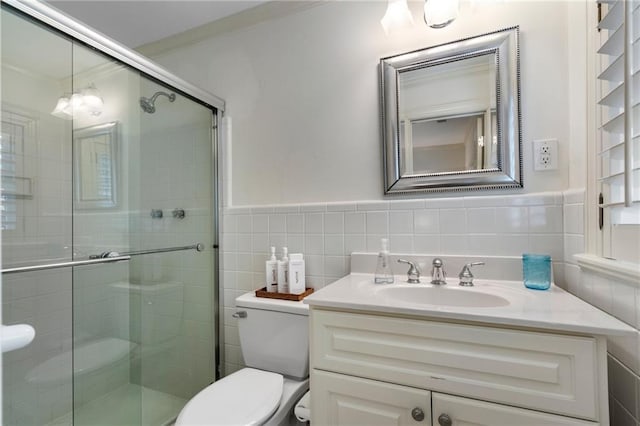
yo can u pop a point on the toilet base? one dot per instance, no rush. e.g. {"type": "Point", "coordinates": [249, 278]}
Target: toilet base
{"type": "Point", "coordinates": [292, 391]}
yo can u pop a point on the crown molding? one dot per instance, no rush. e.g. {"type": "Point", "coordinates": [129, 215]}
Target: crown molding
{"type": "Point", "coordinates": [261, 13]}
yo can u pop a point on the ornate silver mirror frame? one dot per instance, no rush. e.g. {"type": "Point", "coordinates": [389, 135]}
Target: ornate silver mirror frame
{"type": "Point", "coordinates": [503, 45]}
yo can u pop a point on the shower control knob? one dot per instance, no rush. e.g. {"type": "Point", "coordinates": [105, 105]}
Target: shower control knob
{"type": "Point", "coordinates": [417, 414]}
{"type": "Point", "coordinates": [178, 213]}
{"type": "Point", "coordinates": [444, 420]}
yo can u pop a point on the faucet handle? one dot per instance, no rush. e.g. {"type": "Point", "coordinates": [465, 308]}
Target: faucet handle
{"type": "Point", "coordinates": [413, 274]}
{"type": "Point", "coordinates": [438, 275]}
{"type": "Point", "coordinates": [466, 277]}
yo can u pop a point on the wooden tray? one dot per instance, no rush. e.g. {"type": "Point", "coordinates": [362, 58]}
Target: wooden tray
{"type": "Point", "coordinates": [283, 296]}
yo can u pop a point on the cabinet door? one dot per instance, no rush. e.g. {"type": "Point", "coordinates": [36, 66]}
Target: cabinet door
{"type": "Point", "coordinates": [338, 399]}
{"type": "Point", "coordinates": [455, 411]}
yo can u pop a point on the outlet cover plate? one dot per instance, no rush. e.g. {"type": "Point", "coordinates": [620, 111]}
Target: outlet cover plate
{"type": "Point", "coordinates": [545, 154]}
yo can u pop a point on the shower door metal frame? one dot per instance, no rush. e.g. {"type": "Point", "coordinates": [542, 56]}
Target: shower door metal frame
{"type": "Point", "coordinates": [63, 23]}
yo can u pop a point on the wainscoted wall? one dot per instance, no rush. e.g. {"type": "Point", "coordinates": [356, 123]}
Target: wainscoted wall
{"type": "Point", "coordinates": [618, 297]}
{"type": "Point", "coordinates": [550, 222]}
{"type": "Point", "coordinates": [327, 234]}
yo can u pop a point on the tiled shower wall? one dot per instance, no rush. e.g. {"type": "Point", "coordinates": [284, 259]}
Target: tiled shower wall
{"type": "Point", "coordinates": [617, 297]}
{"type": "Point", "coordinates": [327, 233]}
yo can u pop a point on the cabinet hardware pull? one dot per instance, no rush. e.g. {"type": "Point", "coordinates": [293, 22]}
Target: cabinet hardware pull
{"type": "Point", "coordinates": [417, 414]}
{"type": "Point", "coordinates": [444, 420]}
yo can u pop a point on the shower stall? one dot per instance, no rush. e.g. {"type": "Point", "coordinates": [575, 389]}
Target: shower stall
{"type": "Point", "coordinates": [109, 227]}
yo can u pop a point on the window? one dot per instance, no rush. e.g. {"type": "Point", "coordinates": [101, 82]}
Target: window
{"type": "Point", "coordinates": [618, 139]}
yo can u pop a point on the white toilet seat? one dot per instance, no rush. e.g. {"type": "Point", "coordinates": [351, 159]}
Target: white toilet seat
{"type": "Point", "coordinates": [246, 397]}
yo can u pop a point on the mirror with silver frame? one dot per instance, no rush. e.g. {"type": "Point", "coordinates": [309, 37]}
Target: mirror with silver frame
{"type": "Point", "coordinates": [451, 116]}
{"type": "Point", "coordinates": [95, 153]}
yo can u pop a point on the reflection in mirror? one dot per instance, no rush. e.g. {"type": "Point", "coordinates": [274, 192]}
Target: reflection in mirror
{"type": "Point", "coordinates": [95, 150]}
{"type": "Point", "coordinates": [445, 116]}
{"type": "Point", "coordinates": [451, 115]}
{"type": "Point", "coordinates": [442, 144]}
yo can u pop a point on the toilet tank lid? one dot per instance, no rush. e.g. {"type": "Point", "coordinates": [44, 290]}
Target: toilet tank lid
{"type": "Point", "coordinates": [246, 397]}
{"type": "Point", "coordinates": [249, 300]}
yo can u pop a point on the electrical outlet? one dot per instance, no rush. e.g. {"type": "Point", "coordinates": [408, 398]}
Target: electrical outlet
{"type": "Point", "coordinates": [545, 154]}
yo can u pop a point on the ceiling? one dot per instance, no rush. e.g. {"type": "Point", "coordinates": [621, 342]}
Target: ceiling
{"type": "Point", "coordinates": [138, 22]}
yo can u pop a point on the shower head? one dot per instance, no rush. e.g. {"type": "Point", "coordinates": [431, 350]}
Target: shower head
{"type": "Point", "coordinates": [149, 104]}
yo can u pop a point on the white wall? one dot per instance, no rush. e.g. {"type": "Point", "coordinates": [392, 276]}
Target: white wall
{"type": "Point", "coordinates": [303, 93]}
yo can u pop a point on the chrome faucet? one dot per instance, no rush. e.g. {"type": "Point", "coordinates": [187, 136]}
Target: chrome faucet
{"type": "Point", "coordinates": [466, 277]}
{"type": "Point", "coordinates": [413, 274]}
{"type": "Point", "coordinates": [438, 276]}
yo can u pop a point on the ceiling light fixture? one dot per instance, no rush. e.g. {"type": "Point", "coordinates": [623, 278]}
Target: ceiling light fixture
{"type": "Point", "coordinates": [397, 16]}
{"type": "Point", "coordinates": [440, 13]}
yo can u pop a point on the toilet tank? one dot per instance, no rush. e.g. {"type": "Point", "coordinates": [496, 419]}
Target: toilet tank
{"type": "Point", "coordinates": [274, 335]}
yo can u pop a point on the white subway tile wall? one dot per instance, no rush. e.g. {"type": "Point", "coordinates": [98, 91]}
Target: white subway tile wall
{"type": "Point", "coordinates": [618, 298]}
{"type": "Point", "coordinates": [550, 223]}
{"type": "Point", "coordinates": [328, 233]}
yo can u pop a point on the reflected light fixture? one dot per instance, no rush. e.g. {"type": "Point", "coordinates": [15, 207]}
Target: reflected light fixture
{"type": "Point", "coordinates": [397, 16]}
{"type": "Point", "coordinates": [92, 101]}
{"type": "Point", "coordinates": [87, 100]}
{"type": "Point", "coordinates": [440, 13]}
{"type": "Point", "coordinates": [63, 108]}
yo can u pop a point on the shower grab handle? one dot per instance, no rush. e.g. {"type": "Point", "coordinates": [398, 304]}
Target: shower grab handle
{"type": "Point", "coordinates": [110, 254]}
{"type": "Point", "coordinates": [65, 264]}
{"type": "Point", "coordinates": [106, 257]}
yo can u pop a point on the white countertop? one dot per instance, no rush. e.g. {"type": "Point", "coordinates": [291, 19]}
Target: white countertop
{"type": "Point", "coordinates": [553, 309]}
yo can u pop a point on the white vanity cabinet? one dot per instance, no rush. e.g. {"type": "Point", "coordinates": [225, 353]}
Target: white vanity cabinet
{"type": "Point", "coordinates": [370, 369]}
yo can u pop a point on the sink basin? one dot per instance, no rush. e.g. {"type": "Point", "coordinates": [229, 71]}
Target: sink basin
{"type": "Point", "coordinates": [442, 296]}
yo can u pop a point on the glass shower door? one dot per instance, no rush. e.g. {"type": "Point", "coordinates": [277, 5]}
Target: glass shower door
{"type": "Point", "coordinates": [176, 300]}
{"type": "Point", "coordinates": [104, 143]}
{"type": "Point", "coordinates": [88, 173]}
{"type": "Point", "coordinates": [142, 186]}
{"type": "Point", "coordinates": [36, 220]}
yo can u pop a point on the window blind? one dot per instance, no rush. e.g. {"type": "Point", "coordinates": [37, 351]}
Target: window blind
{"type": "Point", "coordinates": [619, 109]}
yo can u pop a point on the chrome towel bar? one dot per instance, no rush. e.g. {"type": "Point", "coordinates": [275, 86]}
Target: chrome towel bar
{"type": "Point", "coordinates": [105, 257]}
{"type": "Point", "coordinates": [65, 264]}
{"type": "Point", "coordinates": [110, 254]}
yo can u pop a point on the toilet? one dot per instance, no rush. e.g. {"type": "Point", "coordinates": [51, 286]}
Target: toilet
{"type": "Point", "coordinates": [274, 338]}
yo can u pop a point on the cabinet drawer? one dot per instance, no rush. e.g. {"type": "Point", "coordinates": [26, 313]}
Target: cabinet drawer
{"type": "Point", "coordinates": [547, 372]}
{"type": "Point", "coordinates": [349, 401]}
{"type": "Point", "coordinates": [463, 411]}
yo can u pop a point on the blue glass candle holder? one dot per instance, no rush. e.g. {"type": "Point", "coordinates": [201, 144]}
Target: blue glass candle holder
{"type": "Point", "coordinates": [536, 271]}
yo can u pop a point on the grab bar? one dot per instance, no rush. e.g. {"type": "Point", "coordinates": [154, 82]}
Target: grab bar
{"type": "Point", "coordinates": [65, 264]}
{"type": "Point", "coordinates": [111, 254]}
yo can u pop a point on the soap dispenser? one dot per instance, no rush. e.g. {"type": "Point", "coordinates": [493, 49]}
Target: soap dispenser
{"type": "Point", "coordinates": [384, 275]}
{"type": "Point", "coordinates": [271, 272]}
{"type": "Point", "coordinates": [283, 272]}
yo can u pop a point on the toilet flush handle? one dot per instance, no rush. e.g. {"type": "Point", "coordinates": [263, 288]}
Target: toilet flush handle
{"type": "Point", "coordinates": [240, 314]}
